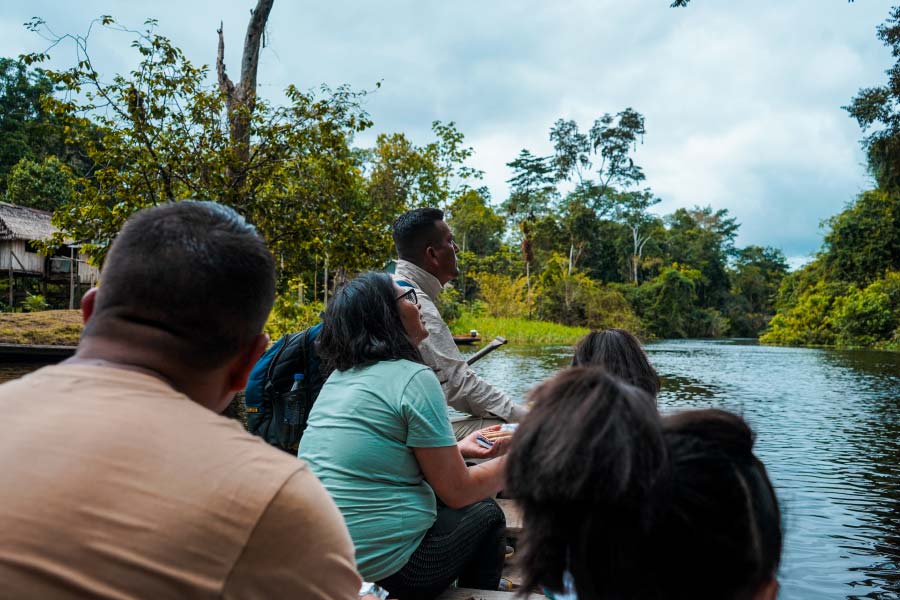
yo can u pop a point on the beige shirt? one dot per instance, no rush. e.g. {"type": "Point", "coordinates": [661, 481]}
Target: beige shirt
{"type": "Point", "coordinates": [114, 485]}
{"type": "Point", "coordinates": [464, 389]}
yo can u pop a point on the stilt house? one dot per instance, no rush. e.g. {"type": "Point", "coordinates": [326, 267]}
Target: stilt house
{"type": "Point", "coordinates": [20, 228]}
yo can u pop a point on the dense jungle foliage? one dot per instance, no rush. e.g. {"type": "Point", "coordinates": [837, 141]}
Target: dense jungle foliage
{"type": "Point", "coordinates": [850, 294]}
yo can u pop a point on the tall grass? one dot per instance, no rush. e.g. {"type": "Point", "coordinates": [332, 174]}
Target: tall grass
{"type": "Point", "coordinates": [49, 327]}
{"type": "Point", "coordinates": [517, 330]}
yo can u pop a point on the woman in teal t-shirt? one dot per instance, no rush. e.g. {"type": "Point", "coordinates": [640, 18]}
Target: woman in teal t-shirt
{"type": "Point", "coordinates": [380, 440]}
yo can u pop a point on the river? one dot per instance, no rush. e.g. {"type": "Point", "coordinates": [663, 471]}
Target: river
{"type": "Point", "coordinates": [828, 430]}
{"type": "Point", "coordinates": [828, 427]}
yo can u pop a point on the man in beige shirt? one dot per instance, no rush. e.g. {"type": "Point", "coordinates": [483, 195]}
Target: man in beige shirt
{"type": "Point", "coordinates": [428, 261]}
{"type": "Point", "coordinates": [118, 478]}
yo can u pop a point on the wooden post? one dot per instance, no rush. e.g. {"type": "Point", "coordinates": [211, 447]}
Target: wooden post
{"type": "Point", "coordinates": [73, 266]}
{"type": "Point", "coordinates": [12, 255]}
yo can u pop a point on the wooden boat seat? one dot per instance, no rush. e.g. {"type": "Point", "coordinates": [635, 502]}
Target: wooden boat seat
{"type": "Point", "coordinates": [513, 516]}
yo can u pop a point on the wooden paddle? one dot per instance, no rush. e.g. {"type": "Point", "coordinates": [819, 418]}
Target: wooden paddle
{"type": "Point", "coordinates": [492, 345]}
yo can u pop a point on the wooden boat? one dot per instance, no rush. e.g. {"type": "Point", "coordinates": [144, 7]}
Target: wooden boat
{"type": "Point", "coordinates": [468, 339]}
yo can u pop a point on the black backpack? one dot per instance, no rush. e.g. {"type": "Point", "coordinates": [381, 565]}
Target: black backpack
{"type": "Point", "coordinates": [272, 413]}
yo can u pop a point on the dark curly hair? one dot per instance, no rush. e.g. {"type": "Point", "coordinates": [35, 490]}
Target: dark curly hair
{"type": "Point", "coordinates": [636, 505]}
{"type": "Point", "coordinates": [362, 325]}
{"type": "Point", "coordinates": [620, 353]}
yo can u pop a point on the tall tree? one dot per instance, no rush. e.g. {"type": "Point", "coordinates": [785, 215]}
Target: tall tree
{"type": "Point", "coordinates": [864, 240]}
{"type": "Point", "coordinates": [44, 185]}
{"type": "Point", "coordinates": [877, 110]}
{"type": "Point", "coordinates": [240, 98]}
{"type": "Point", "coordinates": [27, 129]}
{"type": "Point", "coordinates": [571, 150]}
{"type": "Point", "coordinates": [533, 189]}
{"type": "Point", "coordinates": [166, 137]}
{"type": "Point", "coordinates": [403, 175]}
{"type": "Point", "coordinates": [632, 210]}
{"type": "Point", "coordinates": [703, 239]}
{"type": "Point", "coordinates": [613, 138]}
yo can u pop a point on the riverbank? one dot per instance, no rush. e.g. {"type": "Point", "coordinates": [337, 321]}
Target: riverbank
{"type": "Point", "coordinates": [45, 328]}
{"type": "Point", "coordinates": [517, 331]}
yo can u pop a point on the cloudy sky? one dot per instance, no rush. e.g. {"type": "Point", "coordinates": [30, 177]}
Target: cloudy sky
{"type": "Point", "coordinates": [742, 99]}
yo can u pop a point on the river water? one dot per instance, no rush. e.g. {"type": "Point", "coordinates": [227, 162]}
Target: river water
{"type": "Point", "coordinates": [828, 427]}
{"type": "Point", "coordinates": [828, 430]}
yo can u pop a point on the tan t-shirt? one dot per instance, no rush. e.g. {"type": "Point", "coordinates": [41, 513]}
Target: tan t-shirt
{"type": "Point", "coordinates": [114, 485]}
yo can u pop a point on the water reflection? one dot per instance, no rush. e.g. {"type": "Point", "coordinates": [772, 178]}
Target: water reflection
{"type": "Point", "coordinates": [828, 429]}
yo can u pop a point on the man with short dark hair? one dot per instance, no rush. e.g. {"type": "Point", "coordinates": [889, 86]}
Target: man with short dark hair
{"type": "Point", "coordinates": [427, 255]}
{"type": "Point", "coordinates": [118, 478]}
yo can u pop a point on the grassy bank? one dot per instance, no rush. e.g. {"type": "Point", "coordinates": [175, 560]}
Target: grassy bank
{"type": "Point", "coordinates": [49, 327]}
{"type": "Point", "coordinates": [517, 331]}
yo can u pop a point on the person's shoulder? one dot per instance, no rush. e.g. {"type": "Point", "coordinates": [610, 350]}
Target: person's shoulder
{"type": "Point", "coordinates": [401, 372]}
{"type": "Point", "coordinates": [409, 368]}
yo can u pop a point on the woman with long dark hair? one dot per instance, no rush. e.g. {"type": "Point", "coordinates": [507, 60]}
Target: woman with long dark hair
{"type": "Point", "coordinates": [380, 440]}
{"type": "Point", "coordinates": [620, 354]}
{"type": "Point", "coordinates": [620, 503]}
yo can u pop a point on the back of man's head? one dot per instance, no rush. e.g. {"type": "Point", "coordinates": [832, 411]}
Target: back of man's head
{"type": "Point", "coordinates": [195, 276]}
{"type": "Point", "coordinates": [414, 231]}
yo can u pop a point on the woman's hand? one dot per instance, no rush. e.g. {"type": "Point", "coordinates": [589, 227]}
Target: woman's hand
{"type": "Point", "coordinates": [470, 448]}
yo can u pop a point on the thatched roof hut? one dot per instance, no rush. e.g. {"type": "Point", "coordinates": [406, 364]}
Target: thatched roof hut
{"type": "Point", "coordinates": [23, 223]}
{"type": "Point", "coordinates": [20, 227]}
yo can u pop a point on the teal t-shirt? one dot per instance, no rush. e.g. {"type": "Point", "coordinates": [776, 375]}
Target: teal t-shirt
{"type": "Point", "coordinates": [359, 442]}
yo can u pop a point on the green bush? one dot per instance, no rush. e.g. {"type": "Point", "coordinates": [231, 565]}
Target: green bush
{"type": "Point", "coordinates": [809, 322]}
{"type": "Point", "coordinates": [449, 304]}
{"type": "Point", "coordinates": [34, 303]}
{"type": "Point", "coordinates": [503, 296]}
{"type": "Point", "coordinates": [288, 316]}
{"type": "Point", "coordinates": [666, 303]}
{"type": "Point", "coordinates": [867, 316]}
{"type": "Point", "coordinates": [576, 299]}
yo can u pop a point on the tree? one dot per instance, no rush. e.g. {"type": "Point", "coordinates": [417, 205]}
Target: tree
{"type": "Point", "coordinates": [632, 211]}
{"type": "Point", "coordinates": [571, 150]}
{"type": "Point", "coordinates": [613, 139]}
{"type": "Point", "coordinates": [476, 228]}
{"type": "Point", "coordinates": [704, 240]}
{"type": "Point", "coordinates": [877, 110]}
{"type": "Point", "coordinates": [533, 190]}
{"type": "Point", "coordinates": [240, 98]}
{"type": "Point", "coordinates": [45, 185]}
{"type": "Point", "coordinates": [757, 275]}
{"type": "Point", "coordinates": [166, 137]}
{"type": "Point", "coordinates": [476, 225]}
{"type": "Point", "coordinates": [27, 129]}
{"type": "Point", "coordinates": [403, 175]}
{"type": "Point", "coordinates": [864, 240]}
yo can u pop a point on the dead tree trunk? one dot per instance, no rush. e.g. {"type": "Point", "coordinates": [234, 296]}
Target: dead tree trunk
{"type": "Point", "coordinates": [240, 98]}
